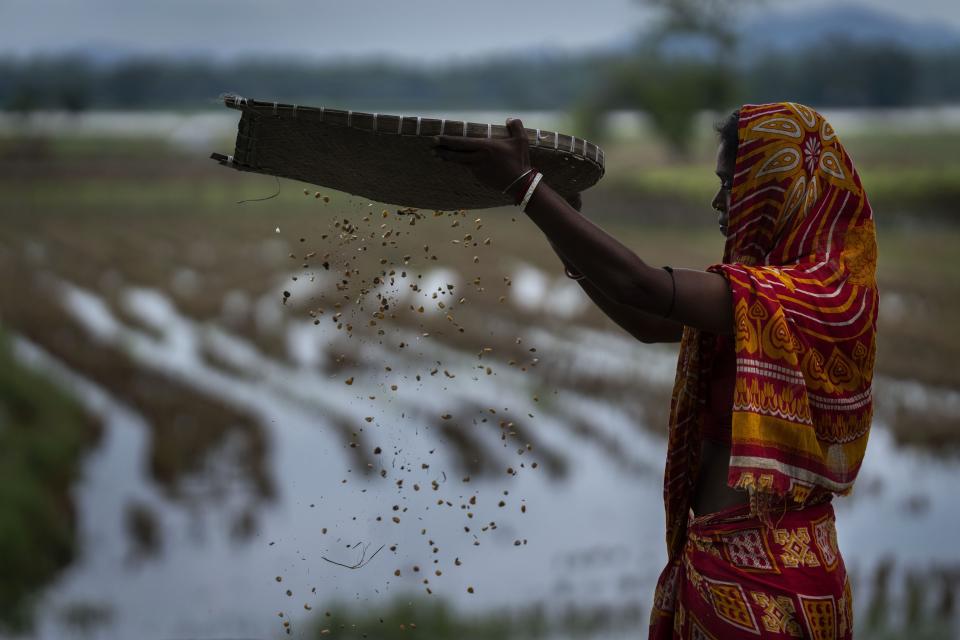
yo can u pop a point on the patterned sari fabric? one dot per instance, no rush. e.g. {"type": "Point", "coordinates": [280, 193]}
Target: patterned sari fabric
{"type": "Point", "coordinates": [742, 579]}
{"type": "Point", "coordinates": [800, 259]}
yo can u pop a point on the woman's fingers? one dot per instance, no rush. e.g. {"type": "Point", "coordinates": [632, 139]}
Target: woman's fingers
{"type": "Point", "coordinates": [519, 134]}
{"type": "Point", "coordinates": [514, 126]}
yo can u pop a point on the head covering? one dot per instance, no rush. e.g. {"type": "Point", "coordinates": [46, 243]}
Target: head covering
{"type": "Point", "coordinates": [800, 258]}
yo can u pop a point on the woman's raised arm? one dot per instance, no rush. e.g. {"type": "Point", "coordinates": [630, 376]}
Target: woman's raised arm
{"type": "Point", "coordinates": [699, 299]}
{"type": "Point", "coordinates": [642, 326]}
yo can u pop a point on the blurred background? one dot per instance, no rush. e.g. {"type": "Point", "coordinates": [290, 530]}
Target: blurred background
{"type": "Point", "coordinates": [320, 416]}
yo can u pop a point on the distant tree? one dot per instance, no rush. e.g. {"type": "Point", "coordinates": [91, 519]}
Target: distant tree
{"type": "Point", "coordinates": [672, 92]}
{"type": "Point", "coordinates": [670, 75]}
{"type": "Point", "coordinates": [74, 98]}
{"type": "Point", "coordinates": [874, 74]}
{"type": "Point", "coordinates": [937, 78]}
{"type": "Point", "coordinates": [685, 64]}
{"type": "Point", "coordinates": [841, 72]}
{"type": "Point", "coordinates": [24, 100]}
{"type": "Point", "coordinates": [713, 19]}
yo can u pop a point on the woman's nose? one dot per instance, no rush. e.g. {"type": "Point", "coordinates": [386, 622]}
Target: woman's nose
{"type": "Point", "coordinates": [719, 202]}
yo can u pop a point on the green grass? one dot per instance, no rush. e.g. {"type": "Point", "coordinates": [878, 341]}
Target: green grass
{"type": "Point", "coordinates": [84, 146]}
{"type": "Point", "coordinates": [887, 147]}
{"type": "Point", "coordinates": [898, 191]}
{"type": "Point", "coordinates": [904, 174]}
{"type": "Point", "coordinates": [430, 617]}
{"type": "Point", "coordinates": [178, 195]}
{"type": "Point", "coordinates": [403, 617]}
{"type": "Point", "coordinates": [43, 435]}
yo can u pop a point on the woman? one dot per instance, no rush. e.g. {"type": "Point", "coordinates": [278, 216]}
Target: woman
{"type": "Point", "coordinates": [772, 403]}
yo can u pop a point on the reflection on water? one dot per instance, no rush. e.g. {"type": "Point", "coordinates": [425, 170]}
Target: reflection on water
{"type": "Point", "coordinates": [574, 519]}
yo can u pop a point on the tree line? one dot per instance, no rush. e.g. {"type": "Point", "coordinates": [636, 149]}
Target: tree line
{"type": "Point", "coordinates": [669, 87]}
{"type": "Point", "coordinates": [833, 74]}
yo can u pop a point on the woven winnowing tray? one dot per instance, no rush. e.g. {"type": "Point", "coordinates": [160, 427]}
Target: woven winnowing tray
{"type": "Point", "coordinates": [388, 158]}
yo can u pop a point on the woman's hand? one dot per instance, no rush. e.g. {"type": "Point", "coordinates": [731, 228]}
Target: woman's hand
{"type": "Point", "coordinates": [495, 163]}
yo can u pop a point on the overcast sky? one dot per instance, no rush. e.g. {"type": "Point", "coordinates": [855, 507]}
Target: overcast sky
{"type": "Point", "coordinates": [423, 30]}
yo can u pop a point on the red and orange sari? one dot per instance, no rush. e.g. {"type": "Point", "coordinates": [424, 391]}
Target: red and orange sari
{"type": "Point", "coordinates": [800, 258]}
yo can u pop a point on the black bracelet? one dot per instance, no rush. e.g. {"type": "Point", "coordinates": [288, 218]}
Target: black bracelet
{"type": "Point", "coordinates": [673, 295]}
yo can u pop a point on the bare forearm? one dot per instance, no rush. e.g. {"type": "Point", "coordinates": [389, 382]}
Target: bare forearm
{"type": "Point", "coordinates": [609, 265]}
{"type": "Point", "coordinates": [656, 298]}
{"type": "Point", "coordinates": [699, 299]}
{"type": "Point", "coordinates": [642, 326]}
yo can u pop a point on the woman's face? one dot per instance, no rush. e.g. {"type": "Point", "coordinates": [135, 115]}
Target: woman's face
{"type": "Point", "coordinates": [721, 201]}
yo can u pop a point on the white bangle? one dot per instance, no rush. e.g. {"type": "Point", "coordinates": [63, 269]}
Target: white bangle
{"type": "Point", "coordinates": [530, 190]}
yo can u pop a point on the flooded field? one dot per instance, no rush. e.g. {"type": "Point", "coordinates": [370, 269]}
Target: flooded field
{"type": "Point", "coordinates": [309, 405]}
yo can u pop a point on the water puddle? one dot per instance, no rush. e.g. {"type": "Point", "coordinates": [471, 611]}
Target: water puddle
{"type": "Point", "coordinates": [591, 535]}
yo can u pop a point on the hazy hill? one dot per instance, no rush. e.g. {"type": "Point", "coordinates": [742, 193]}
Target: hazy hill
{"type": "Point", "coordinates": [791, 29]}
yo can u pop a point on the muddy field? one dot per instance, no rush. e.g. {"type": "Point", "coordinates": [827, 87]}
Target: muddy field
{"type": "Point", "coordinates": [292, 385]}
